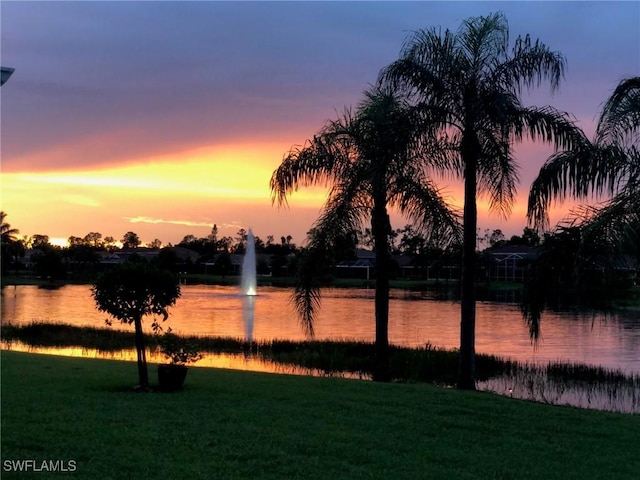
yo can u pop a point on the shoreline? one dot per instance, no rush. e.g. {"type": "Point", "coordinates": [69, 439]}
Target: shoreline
{"type": "Point", "coordinates": [557, 383]}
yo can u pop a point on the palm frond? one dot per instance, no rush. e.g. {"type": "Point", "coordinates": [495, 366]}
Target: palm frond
{"type": "Point", "coordinates": [620, 118]}
{"type": "Point", "coordinates": [530, 65]}
{"type": "Point", "coordinates": [616, 224]}
{"type": "Point", "coordinates": [306, 297]}
{"type": "Point", "coordinates": [341, 215]}
{"type": "Point", "coordinates": [425, 63]}
{"type": "Point", "coordinates": [498, 175]}
{"type": "Point", "coordinates": [586, 170]}
{"type": "Point", "coordinates": [422, 202]}
{"type": "Point", "coordinates": [320, 161]}
{"type": "Point", "coordinates": [484, 41]}
{"type": "Point", "coordinates": [548, 125]}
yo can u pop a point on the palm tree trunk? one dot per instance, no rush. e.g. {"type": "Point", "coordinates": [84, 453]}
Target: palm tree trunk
{"type": "Point", "coordinates": [143, 375]}
{"type": "Point", "coordinates": [380, 228]}
{"type": "Point", "coordinates": [467, 367]}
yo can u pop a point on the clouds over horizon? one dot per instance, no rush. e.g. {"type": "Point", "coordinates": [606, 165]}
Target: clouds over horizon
{"type": "Point", "coordinates": [101, 86]}
{"type": "Point", "coordinates": [103, 82]}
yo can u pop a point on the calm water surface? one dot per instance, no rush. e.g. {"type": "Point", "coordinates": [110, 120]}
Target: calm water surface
{"type": "Point", "coordinates": [414, 320]}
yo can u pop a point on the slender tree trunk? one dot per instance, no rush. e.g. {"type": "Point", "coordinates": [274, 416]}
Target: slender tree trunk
{"type": "Point", "coordinates": [467, 367]}
{"type": "Point", "coordinates": [142, 355]}
{"type": "Point", "coordinates": [380, 227]}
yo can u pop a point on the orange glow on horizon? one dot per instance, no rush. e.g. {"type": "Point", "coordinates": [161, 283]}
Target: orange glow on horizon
{"type": "Point", "coordinates": [170, 196]}
{"type": "Point", "coordinates": [162, 197]}
{"type": "Point", "coordinates": [238, 172]}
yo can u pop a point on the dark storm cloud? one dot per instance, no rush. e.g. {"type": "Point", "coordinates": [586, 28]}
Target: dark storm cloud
{"type": "Point", "coordinates": [101, 82]}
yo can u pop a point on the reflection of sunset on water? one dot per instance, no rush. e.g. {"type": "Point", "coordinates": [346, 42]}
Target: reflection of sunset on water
{"type": "Point", "coordinates": [210, 360]}
{"type": "Point", "coordinates": [415, 320]}
{"type": "Point", "coordinates": [218, 360]}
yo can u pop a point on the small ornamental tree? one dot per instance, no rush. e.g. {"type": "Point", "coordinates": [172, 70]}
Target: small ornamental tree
{"type": "Point", "coordinates": [130, 291]}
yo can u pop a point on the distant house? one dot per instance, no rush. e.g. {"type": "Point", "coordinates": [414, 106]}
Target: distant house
{"type": "Point", "coordinates": [110, 258]}
{"type": "Point", "coordinates": [121, 256]}
{"type": "Point", "coordinates": [363, 266]}
{"type": "Point", "coordinates": [510, 262]}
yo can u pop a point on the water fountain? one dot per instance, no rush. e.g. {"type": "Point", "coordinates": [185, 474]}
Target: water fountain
{"type": "Point", "coordinates": [248, 286]}
{"type": "Point", "coordinates": [248, 279]}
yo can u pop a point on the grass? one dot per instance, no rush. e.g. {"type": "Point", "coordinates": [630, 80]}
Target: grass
{"type": "Point", "coordinates": [232, 424]}
{"type": "Point", "coordinates": [556, 383]}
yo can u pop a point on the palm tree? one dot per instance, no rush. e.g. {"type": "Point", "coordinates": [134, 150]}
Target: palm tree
{"type": "Point", "coordinates": [374, 159]}
{"type": "Point", "coordinates": [610, 165]}
{"type": "Point", "coordinates": [8, 233]}
{"type": "Point", "coordinates": [9, 243]}
{"type": "Point", "coordinates": [469, 85]}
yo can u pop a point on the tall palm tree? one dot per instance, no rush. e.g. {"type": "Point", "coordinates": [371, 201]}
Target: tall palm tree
{"type": "Point", "coordinates": [470, 85]}
{"type": "Point", "coordinates": [373, 159]}
{"type": "Point", "coordinates": [608, 166]}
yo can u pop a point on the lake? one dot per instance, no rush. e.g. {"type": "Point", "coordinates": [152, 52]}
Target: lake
{"type": "Point", "coordinates": [415, 319]}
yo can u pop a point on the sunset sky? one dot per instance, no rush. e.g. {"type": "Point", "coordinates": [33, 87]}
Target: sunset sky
{"type": "Point", "coordinates": [164, 118]}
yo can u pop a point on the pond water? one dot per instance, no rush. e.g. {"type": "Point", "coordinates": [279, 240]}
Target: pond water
{"type": "Point", "coordinates": [415, 319]}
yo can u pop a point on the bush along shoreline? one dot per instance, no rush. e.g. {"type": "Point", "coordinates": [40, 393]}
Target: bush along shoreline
{"type": "Point", "coordinates": [555, 383]}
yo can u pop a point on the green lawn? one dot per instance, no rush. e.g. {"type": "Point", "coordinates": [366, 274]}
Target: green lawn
{"type": "Point", "coordinates": [233, 424]}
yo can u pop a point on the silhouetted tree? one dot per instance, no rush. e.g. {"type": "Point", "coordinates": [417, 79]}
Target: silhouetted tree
{"type": "Point", "coordinates": [609, 166]}
{"type": "Point", "coordinates": [167, 259]}
{"type": "Point", "coordinates": [11, 246]}
{"type": "Point", "coordinates": [411, 242]}
{"type": "Point", "coordinates": [224, 244]}
{"type": "Point", "coordinates": [529, 237]}
{"type": "Point", "coordinates": [109, 243]}
{"type": "Point", "coordinates": [48, 262]}
{"type": "Point", "coordinates": [130, 240]}
{"type": "Point", "coordinates": [374, 159]}
{"type": "Point", "coordinates": [93, 239]}
{"type": "Point", "coordinates": [81, 256]}
{"type": "Point", "coordinates": [223, 263]}
{"type": "Point", "coordinates": [38, 240]}
{"type": "Point", "coordinates": [131, 291]}
{"type": "Point", "coordinates": [74, 241]}
{"type": "Point", "coordinates": [156, 243]}
{"type": "Point", "coordinates": [187, 240]}
{"type": "Point", "coordinates": [213, 236]}
{"type": "Point", "coordinates": [469, 85]}
{"type": "Point", "coordinates": [8, 234]}
{"type": "Point", "coordinates": [496, 238]}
